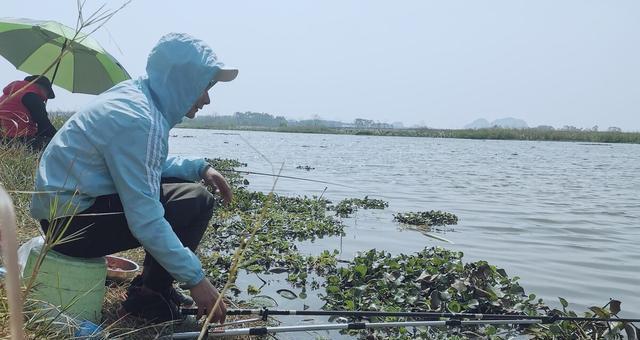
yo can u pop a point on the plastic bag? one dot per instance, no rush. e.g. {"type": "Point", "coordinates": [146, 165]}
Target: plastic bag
{"type": "Point", "coordinates": [25, 249]}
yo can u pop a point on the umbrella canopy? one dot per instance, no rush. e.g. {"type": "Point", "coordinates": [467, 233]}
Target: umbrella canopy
{"type": "Point", "coordinates": [32, 46]}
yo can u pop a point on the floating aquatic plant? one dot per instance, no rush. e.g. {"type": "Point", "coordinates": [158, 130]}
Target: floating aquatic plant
{"type": "Point", "coordinates": [433, 279]}
{"type": "Point", "coordinates": [348, 206]}
{"type": "Point", "coordinates": [227, 168]}
{"type": "Point", "coordinates": [437, 279]}
{"type": "Point", "coordinates": [428, 218]}
{"type": "Point", "coordinates": [273, 250]}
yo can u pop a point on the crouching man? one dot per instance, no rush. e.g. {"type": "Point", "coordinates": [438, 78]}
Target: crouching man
{"type": "Point", "coordinates": [103, 174]}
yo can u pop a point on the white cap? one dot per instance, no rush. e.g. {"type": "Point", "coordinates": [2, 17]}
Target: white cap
{"type": "Point", "coordinates": [225, 75]}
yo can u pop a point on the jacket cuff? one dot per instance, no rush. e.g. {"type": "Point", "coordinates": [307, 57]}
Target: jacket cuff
{"type": "Point", "coordinates": [192, 283]}
{"type": "Point", "coordinates": [203, 168]}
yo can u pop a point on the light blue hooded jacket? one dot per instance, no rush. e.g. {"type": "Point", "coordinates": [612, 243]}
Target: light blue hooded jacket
{"type": "Point", "coordinates": [119, 144]}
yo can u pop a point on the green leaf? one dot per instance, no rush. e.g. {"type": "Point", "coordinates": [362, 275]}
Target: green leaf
{"type": "Point", "coordinates": [277, 270]}
{"type": "Point", "coordinates": [425, 276]}
{"type": "Point", "coordinates": [563, 302]}
{"type": "Point", "coordinates": [555, 329]}
{"type": "Point", "coordinates": [435, 299]}
{"type": "Point", "coordinates": [253, 290]}
{"type": "Point", "coordinates": [454, 307]}
{"type": "Point", "coordinates": [473, 303]}
{"type": "Point", "coordinates": [349, 305]}
{"type": "Point", "coordinates": [459, 286]}
{"type": "Point", "coordinates": [263, 301]}
{"type": "Point", "coordinates": [361, 269]}
{"type": "Point", "coordinates": [287, 294]}
{"type": "Point", "coordinates": [254, 268]}
{"type": "Point", "coordinates": [497, 291]}
{"type": "Point", "coordinates": [516, 289]}
{"type": "Point", "coordinates": [614, 306]}
{"type": "Point", "coordinates": [333, 289]}
{"type": "Point", "coordinates": [600, 312]}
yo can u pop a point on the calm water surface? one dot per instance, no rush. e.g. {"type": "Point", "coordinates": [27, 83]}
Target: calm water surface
{"type": "Point", "coordinates": [564, 217]}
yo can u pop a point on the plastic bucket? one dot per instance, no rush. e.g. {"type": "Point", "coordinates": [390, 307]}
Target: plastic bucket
{"type": "Point", "coordinates": [75, 285]}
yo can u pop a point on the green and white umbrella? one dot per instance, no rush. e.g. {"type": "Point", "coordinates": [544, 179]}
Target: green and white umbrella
{"type": "Point", "coordinates": [32, 46]}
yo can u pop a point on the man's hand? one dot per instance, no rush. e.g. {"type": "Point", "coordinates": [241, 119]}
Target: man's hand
{"type": "Point", "coordinates": [205, 295]}
{"type": "Point", "coordinates": [215, 179]}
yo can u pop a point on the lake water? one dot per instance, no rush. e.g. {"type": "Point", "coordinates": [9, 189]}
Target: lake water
{"type": "Point", "coordinates": [564, 217]}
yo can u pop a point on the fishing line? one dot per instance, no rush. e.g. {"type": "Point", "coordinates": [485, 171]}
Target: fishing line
{"type": "Point", "coordinates": [288, 177]}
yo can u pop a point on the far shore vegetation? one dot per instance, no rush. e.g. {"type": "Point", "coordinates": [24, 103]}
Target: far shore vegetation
{"type": "Point", "coordinates": [254, 121]}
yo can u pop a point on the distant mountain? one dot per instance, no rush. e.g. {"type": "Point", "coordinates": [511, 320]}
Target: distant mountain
{"type": "Point", "coordinates": [507, 123]}
{"type": "Point", "coordinates": [478, 124]}
{"type": "Point", "coordinates": [510, 123]}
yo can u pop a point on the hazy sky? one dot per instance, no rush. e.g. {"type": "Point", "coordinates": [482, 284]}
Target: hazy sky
{"type": "Point", "coordinates": [437, 63]}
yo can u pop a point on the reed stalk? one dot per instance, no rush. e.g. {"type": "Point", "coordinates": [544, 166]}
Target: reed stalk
{"type": "Point", "coordinates": [10, 258]}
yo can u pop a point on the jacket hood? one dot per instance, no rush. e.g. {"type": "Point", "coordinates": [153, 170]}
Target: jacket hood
{"type": "Point", "coordinates": [18, 84]}
{"type": "Point", "coordinates": [12, 87]}
{"type": "Point", "coordinates": [179, 69]}
{"type": "Point", "coordinates": [9, 88]}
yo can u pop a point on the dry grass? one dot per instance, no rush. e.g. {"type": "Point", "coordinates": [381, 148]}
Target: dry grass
{"type": "Point", "coordinates": [18, 164]}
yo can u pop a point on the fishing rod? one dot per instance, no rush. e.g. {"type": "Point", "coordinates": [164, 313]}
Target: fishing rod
{"type": "Point", "coordinates": [346, 326]}
{"type": "Point", "coordinates": [283, 176]}
{"type": "Point", "coordinates": [265, 313]}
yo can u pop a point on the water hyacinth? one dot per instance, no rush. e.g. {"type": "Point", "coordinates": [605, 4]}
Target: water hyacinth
{"type": "Point", "coordinates": [348, 206]}
{"type": "Point", "coordinates": [427, 218]}
{"type": "Point", "coordinates": [273, 250]}
{"type": "Point", "coordinates": [434, 279]}
{"type": "Point", "coordinates": [305, 167]}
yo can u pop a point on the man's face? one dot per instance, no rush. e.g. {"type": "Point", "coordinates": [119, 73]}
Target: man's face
{"type": "Point", "coordinates": [200, 103]}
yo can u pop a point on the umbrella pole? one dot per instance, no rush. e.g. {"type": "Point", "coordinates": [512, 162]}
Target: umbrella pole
{"type": "Point", "coordinates": [64, 46]}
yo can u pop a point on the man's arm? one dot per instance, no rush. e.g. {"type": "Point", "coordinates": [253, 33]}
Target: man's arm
{"type": "Point", "coordinates": [190, 169]}
{"type": "Point", "coordinates": [136, 175]}
{"type": "Point", "coordinates": [38, 111]}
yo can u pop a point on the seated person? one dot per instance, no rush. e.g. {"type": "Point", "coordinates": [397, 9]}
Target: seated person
{"type": "Point", "coordinates": [23, 113]}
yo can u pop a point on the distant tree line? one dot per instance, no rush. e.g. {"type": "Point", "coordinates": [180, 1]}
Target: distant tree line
{"type": "Point", "coordinates": [612, 135]}
{"type": "Point", "coordinates": [573, 128]}
{"type": "Point", "coordinates": [266, 120]}
{"type": "Point", "coordinates": [238, 119]}
{"type": "Point", "coordinates": [257, 119]}
{"type": "Point", "coordinates": [360, 126]}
